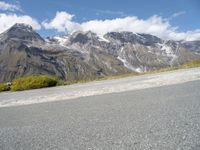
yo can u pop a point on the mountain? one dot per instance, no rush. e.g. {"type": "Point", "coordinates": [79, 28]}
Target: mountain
{"type": "Point", "coordinates": [85, 55]}
{"type": "Point", "coordinates": [21, 32]}
{"type": "Point", "coordinates": [193, 46]}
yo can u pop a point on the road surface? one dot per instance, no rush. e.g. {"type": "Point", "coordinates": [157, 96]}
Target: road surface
{"type": "Point", "coordinates": [159, 118]}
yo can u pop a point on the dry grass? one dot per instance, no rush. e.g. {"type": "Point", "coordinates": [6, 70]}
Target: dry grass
{"type": "Point", "coordinates": [192, 64]}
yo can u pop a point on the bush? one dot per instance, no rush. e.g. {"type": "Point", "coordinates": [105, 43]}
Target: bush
{"type": "Point", "coordinates": [4, 87]}
{"type": "Point", "coordinates": [33, 82]}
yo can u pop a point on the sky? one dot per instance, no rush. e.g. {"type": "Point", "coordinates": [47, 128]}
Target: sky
{"type": "Point", "coordinates": [167, 19]}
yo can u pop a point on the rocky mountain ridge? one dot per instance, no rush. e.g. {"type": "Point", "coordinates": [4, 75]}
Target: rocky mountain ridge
{"type": "Point", "coordinates": [85, 55]}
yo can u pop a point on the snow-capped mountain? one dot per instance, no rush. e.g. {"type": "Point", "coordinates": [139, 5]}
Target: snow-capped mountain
{"type": "Point", "coordinates": [137, 52]}
{"type": "Point", "coordinates": [84, 55]}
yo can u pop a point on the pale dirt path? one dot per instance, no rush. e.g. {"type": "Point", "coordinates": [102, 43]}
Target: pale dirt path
{"type": "Point", "coordinates": [98, 88]}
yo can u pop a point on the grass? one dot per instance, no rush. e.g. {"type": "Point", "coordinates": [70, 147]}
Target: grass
{"type": "Point", "coordinates": [192, 64]}
{"type": "Point", "coordinates": [4, 87]}
{"type": "Point", "coordinates": [33, 82]}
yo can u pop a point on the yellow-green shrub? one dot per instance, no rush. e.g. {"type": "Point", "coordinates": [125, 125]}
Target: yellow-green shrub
{"type": "Point", "coordinates": [4, 87]}
{"type": "Point", "coordinates": [33, 82]}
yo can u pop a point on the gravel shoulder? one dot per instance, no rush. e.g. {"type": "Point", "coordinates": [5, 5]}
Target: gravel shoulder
{"type": "Point", "coordinates": [98, 88]}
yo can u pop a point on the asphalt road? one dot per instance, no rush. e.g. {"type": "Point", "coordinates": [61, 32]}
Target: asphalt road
{"type": "Point", "coordinates": [161, 118]}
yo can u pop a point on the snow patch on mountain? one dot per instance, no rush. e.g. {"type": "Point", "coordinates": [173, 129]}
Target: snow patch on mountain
{"type": "Point", "coordinates": [167, 49]}
{"type": "Point", "coordinates": [62, 40]}
{"type": "Point", "coordinates": [126, 64]}
{"type": "Point", "coordinates": [103, 39]}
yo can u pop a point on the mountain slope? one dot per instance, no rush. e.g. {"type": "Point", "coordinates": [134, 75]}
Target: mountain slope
{"type": "Point", "coordinates": [193, 46]}
{"type": "Point", "coordinates": [84, 55]}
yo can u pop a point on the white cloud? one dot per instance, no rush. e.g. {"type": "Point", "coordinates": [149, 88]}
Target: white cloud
{"type": "Point", "coordinates": [177, 14]}
{"type": "Point", "coordinates": [188, 36]}
{"type": "Point", "coordinates": [155, 25]}
{"type": "Point", "coordinates": [8, 20]}
{"type": "Point", "coordinates": [62, 23]}
{"type": "Point", "coordinates": [9, 7]}
{"type": "Point", "coordinates": [109, 12]}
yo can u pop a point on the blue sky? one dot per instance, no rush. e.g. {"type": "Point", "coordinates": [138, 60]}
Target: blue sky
{"type": "Point", "coordinates": [181, 15]}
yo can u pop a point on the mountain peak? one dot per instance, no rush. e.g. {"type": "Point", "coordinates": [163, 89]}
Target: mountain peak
{"type": "Point", "coordinates": [22, 25]}
{"type": "Point", "coordinates": [83, 37]}
{"type": "Point", "coordinates": [130, 37]}
{"type": "Point", "coordinates": [23, 32]}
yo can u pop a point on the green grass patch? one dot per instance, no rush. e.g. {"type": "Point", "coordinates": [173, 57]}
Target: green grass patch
{"type": "Point", "coordinates": [33, 82]}
{"type": "Point", "coordinates": [4, 87]}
